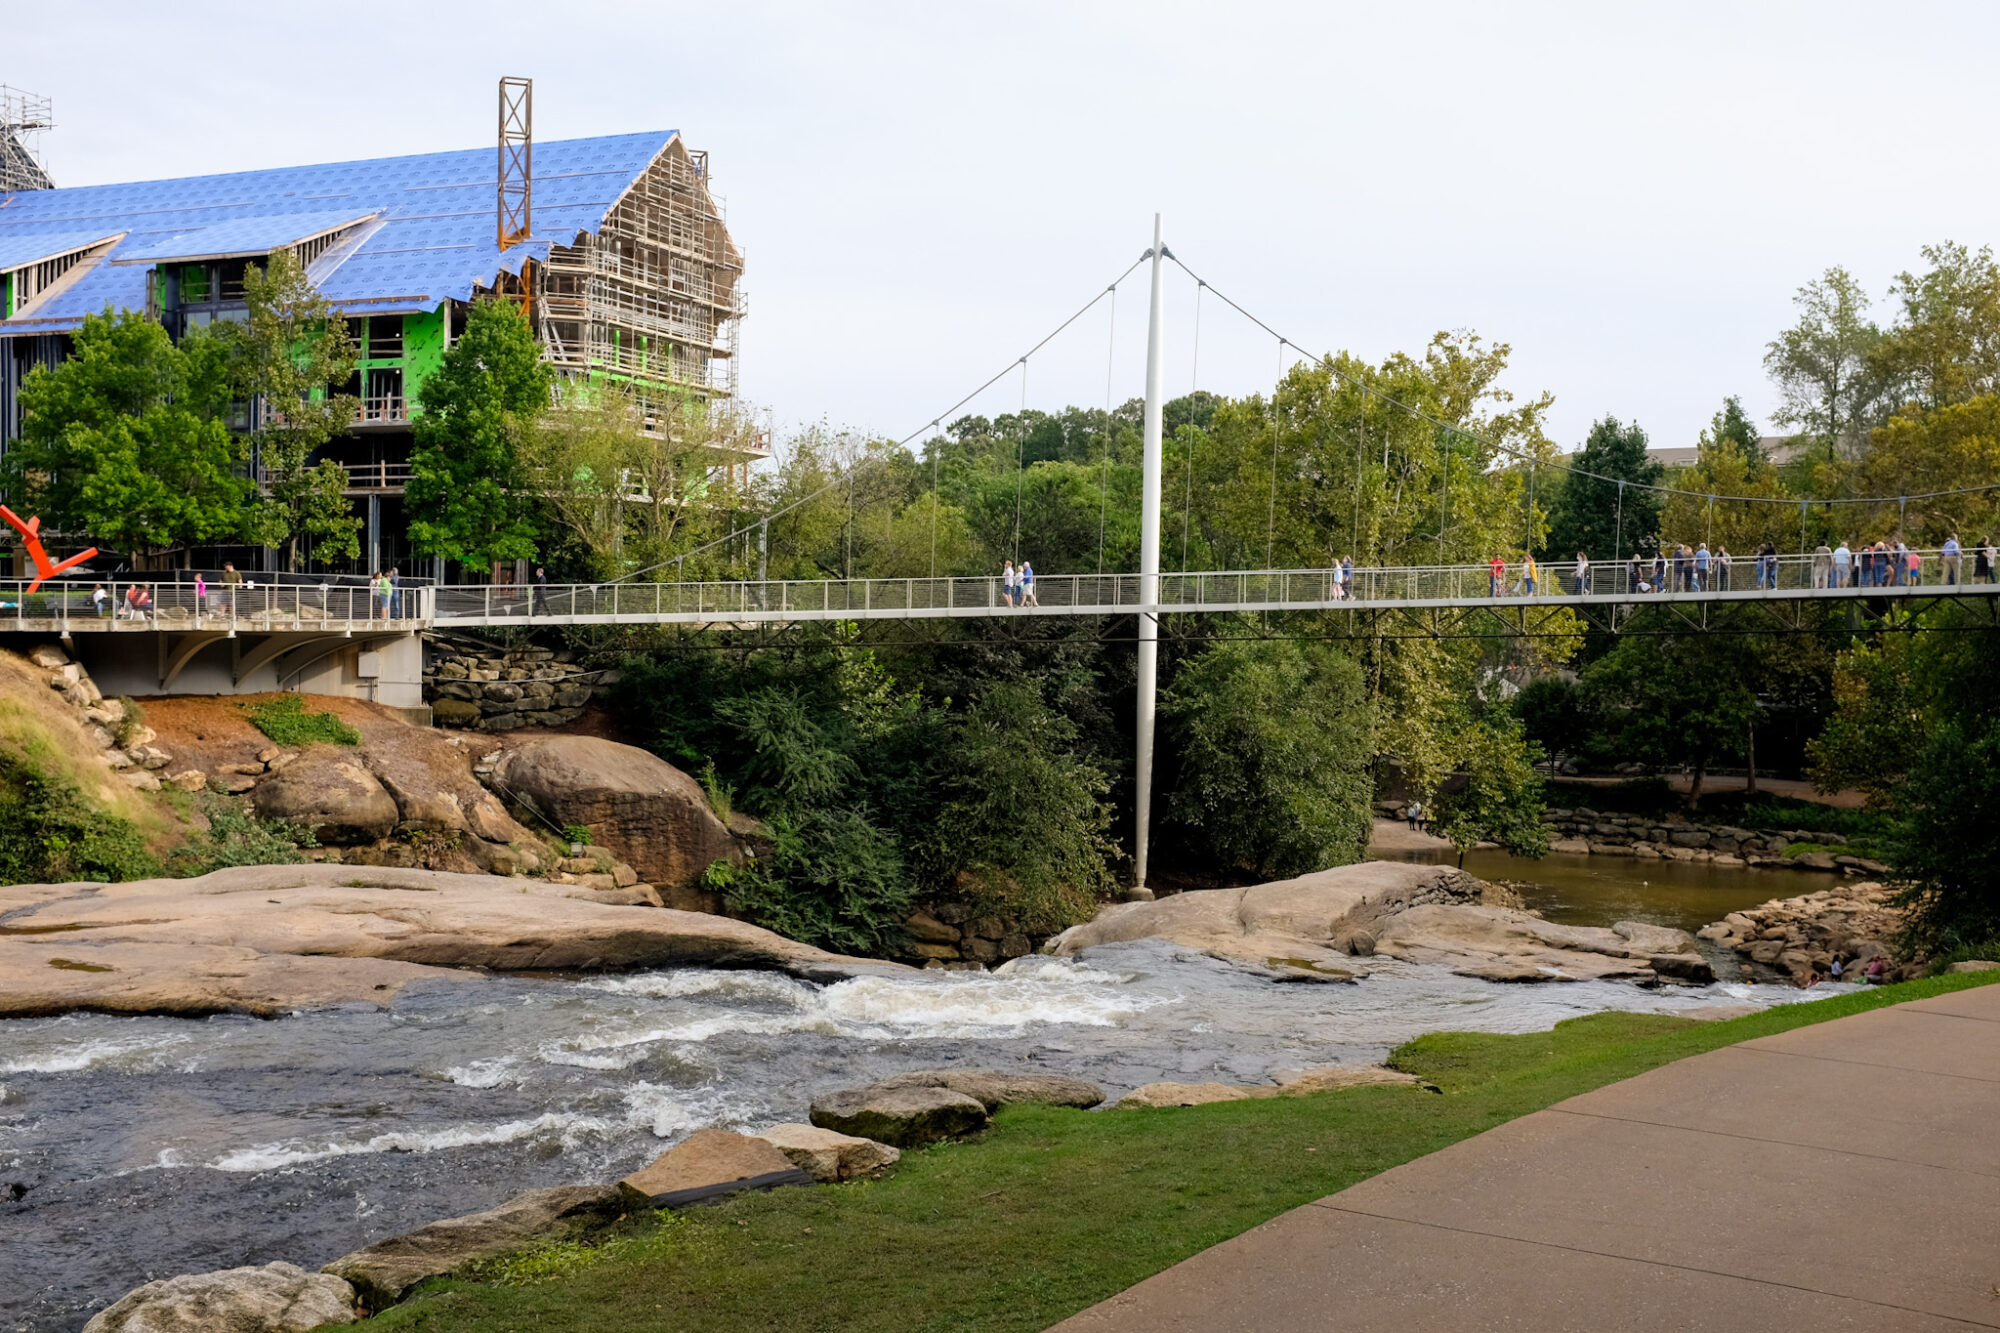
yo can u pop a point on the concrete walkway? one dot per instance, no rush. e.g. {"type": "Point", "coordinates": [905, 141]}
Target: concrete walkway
{"type": "Point", "coordinates": [1845, 1175]}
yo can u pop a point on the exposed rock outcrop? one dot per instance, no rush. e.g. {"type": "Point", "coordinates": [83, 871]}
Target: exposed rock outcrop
{"type": "Point", "coordinates": [276, 1298]}
{"type": "Point", "coordinates": [1802, 937]}
{"type": "Point", "coordinates": [709, 1164]}
{"type": "Point", "coordinates": [995, 1088]}
{"type": "Point", "coordinates": [384, 1271]}
{"type": "Point", "coordinates": [900, 1117]}
{"type": "Point", "coordinates": [269, 939]}
{"type": "Point", "coordinates": [1319, 923]}
{"type": "Point", "coordinates": [1292, 1083]}
{"type": "Point", "coordinates": [339, 800]}
{"type": "Point", "coordinates": [652, 815]}
{"type": "Point", "coordinates": [828, 1156]}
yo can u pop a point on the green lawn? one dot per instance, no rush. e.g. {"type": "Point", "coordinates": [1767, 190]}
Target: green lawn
{"type": "Point", "coordinates": [1055, 1210]}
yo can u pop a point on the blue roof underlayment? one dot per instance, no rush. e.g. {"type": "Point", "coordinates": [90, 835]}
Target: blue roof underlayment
{"type": "Point", "coordinates": [435, 238]}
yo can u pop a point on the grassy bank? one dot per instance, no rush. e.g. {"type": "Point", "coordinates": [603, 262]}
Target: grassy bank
{"type": "Point", "coordinates": [1055, 1210]}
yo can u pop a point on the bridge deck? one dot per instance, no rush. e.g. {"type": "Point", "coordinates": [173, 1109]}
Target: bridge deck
{"type": "Point", "coordinates": [310, 610]}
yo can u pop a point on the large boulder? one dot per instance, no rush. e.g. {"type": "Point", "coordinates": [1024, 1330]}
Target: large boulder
{"type": "Point", "coordinates": [383, 1272]}
{"type": "Point", "coordinates": [711, 1163]}
{"type": "Point", "coordinates": [277, 1298]}
{"type": "Point", "coordinates": [341, 802]}
{"type": "Point", "coordinates": [995, 1088]}
{"type": "Point", "coordinates": [654, 817]}
{"type": "Point", "coordinates": [828, 1156]}
{"type": "Point", "coordinates": [901, 1117]}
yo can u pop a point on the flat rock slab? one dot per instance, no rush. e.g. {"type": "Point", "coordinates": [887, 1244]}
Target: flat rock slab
{"type": "Point", "coordinates": [995, 1088]}
{"type": "Point", "coordinates": [900, 1117]}
{"type": "Point", "coordinates": [710, 1164]}
{"type": "Point", "coordinates": [269, 939]}
{"type": "Point", "coordinates": [1312, 928]}
{"type": "Point", "coordinates": [276, 1298]}
{"type": "Point", "coordinates": [384, 1271]}
{"type": "Point", "coordinates": [830, 1157]}
{"type": "Point", "coordinates": [1291, 1083]}
{"type": "Point", "coordinates": [1835, 1176]}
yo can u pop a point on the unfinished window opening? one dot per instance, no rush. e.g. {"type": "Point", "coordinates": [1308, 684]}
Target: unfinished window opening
{"type": "Point", "coordinates": [385, 337]}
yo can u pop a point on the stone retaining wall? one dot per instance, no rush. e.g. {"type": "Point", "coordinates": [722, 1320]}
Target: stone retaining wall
{"type": "Point", "coordinates": [951, 935]}
{"type": "Point", "coordinates": [1674, 838]}
{"type": "Point", "coordinates": [499, 690]}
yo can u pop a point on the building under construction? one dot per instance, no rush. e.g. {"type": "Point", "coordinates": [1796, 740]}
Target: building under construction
{"type": "Point", "coordinates": [618, 246]}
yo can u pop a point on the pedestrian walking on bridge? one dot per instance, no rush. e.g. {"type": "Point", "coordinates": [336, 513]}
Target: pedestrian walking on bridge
{"type": "Point", "coordinates": [1822, 566]}
{"type": "Point", "coordinates": [1953, 554]}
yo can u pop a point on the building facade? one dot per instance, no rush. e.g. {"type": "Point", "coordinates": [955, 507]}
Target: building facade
{"type": "Point", "coordinates": [629, 275]}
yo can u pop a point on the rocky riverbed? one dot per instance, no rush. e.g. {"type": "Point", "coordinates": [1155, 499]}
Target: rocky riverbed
{"type": "Point", "coordinates": [180, 1145]}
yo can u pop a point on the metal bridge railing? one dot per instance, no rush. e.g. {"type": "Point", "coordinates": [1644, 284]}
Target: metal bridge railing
{"type": "Point", "coordinates": [1219, 590]}
{"type": "Point", "coordinates": [253, 606]}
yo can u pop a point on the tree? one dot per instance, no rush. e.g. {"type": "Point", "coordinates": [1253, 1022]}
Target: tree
{"type": "Point", "coordinates": [1826, 366]}
{"type": "Point", "coordinates": [292, 350]}
{"type": "Point", "coordinates": [1501, 797]}
{"type": "Point", "coordinates": [1025, 816]}
{"type": "Point", "coordinates": [1733, 423]}
{"type": "Point", "coordinates": [1945, 347]}
{"type": "Point", "coordinates": [468, 495]}
{"type": "Point", "coordinates": [1596, 515]}
{"type": "Point", "coordinates": [1725, 468]}
{"type": "Point", "coordinates": [128, 440]}
{"type": "Point", "coordinates": [1949, 842]}
{"type": "Point", "coordinates": [1943, 452]}
{"type": "Point", "coordinates": [1677, 697]}
{"type": "Point", "coordinates": [1555, 716]}
{"type": "Point", "coordinates": [630, 483]}
{"type": "Point", "coordinates": [1274, 738]}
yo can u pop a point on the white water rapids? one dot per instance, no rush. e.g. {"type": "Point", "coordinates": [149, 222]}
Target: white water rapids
{"type": "Point", "coordinates": [134, 1148]}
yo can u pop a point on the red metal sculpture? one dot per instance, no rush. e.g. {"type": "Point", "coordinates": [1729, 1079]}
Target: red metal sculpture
{"type": "Point", "coordinates": [31, 537]}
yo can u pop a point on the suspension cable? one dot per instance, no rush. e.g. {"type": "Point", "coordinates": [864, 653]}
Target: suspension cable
{"type": "Point", "coordinates": [1104, 469]}
{"type": "Point", "coordinates": [989, 383]}
{"type": "Point", "coordinates": [1020, 457]}
{"type": "Point", "coordinates": [1522, 455]}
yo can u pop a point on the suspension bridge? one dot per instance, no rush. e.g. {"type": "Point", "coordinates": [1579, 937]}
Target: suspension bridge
{"type": "Point", "coordinates": [281, 632]}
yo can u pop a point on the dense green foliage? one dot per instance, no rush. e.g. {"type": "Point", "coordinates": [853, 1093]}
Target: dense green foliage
{"type": "Point", "coordinates": [128, 440]}
{"type": "Point", "coordinates": [1054, 1210]}
{"type": "Point", "coordinates": [292, 350]}
{"type": "Point", "coordinates": [51, 833]}
{"type": "Point", "coordinates": [1275, 739]}
{"type": "Point", "coordinates": [1500, 797]}
{"type": "Point", "coordinates": [1597, 516]}
{"type": "Point", "coordinates": [470, 497]}
{"type": "Point", "coordinates": [876, 792]}
{"type": "Point", "coordinates": [285, 720]}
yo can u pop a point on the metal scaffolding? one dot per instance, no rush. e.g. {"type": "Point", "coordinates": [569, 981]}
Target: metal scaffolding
{"type": "Point", "coordinates": [651, 302]}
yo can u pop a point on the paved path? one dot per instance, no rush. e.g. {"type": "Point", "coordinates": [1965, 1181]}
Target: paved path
{"type": "Point", "coordinates": [1845, 1175]}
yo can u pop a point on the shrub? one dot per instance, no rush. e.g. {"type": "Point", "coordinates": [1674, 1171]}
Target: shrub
{"type": "Point", "coordinates": [286, 721]}
{"type": "Point", "coordinates": [1949, 844]}
{"type": "Point", "coordinates": [237, 839]}
{"type": "Point", "coordinates": [50, 832]}
{"type": "Point", "coordinates": [1275, 739]}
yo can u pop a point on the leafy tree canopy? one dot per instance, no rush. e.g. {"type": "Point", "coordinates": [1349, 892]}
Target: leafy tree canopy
{"type": "Point", "coordinates": [127, 442]}
{"type": "Point", "coordinates": [468, 495]}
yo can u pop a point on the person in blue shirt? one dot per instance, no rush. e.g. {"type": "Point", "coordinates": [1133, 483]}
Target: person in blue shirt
{"type": "Point", "coordinates": [1953, 554]}
{"type": "Point", "coordinates": [1028, 585]}
{"type": "Point", "coordinates": [1701, 559]}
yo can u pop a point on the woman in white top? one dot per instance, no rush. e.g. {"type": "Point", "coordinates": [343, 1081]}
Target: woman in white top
{"type": "Point", "coordinates": [1582, 575]}
{"type": "Point", "coordinates": [1009, 580]}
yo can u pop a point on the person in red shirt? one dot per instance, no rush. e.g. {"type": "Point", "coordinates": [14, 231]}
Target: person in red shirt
{"type": "Point", "coordinates": [1499, 574]}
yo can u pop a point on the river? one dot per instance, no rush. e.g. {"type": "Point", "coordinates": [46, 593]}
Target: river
{"type": "Point", "coordinates": [136, 1148]}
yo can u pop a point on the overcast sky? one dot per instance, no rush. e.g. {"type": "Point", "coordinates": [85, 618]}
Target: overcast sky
{"type": "Point", "coordinates": [1628, 195]}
